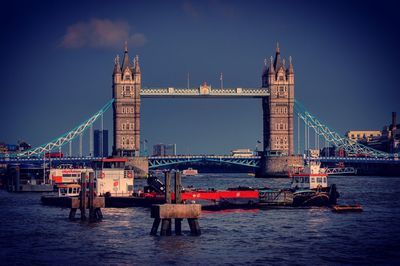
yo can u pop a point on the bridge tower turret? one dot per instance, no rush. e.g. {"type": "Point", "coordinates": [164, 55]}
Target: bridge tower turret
{"type": "Point", "coordinates": [126, 94]}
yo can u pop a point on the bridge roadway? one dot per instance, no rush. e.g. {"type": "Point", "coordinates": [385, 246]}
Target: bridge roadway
{"type": "Point", "coordinates": [161, 161]}
{"type": "Point", "coordinates": [204, 91]}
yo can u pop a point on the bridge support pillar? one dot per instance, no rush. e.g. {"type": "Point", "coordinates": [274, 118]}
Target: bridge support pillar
{"type": "Point", "coordinates": [140, 166]}
{"type": "Point", "coordinates": [278, 166]}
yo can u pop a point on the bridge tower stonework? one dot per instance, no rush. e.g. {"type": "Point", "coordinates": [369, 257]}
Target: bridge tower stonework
{"type": "Point", "coordinates": [278, 109]}
{"type": "Point", "coordinates": [126, 94]}
{"type": "Point", "coordinates": [126, 116]}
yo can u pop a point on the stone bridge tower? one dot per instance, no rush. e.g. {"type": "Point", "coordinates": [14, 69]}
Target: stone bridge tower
{"type": "Point", "coordinates": [126, 116]}
{"type": "Point", "coordinates": [278, 107]}
{"type": "Point", "coordinates": [278, 156]}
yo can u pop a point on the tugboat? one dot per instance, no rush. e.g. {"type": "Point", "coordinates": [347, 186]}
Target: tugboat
{"type": "Point", "coordinates": [310, 187]}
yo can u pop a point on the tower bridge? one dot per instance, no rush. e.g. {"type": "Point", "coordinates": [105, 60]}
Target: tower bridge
{"type": "Point", "coordinates": [277, 98]}
{"type": "Point", "coordinates": [276, 95]}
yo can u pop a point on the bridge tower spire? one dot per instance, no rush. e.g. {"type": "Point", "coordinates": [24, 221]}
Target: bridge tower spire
{"type": "Point", "coordinates": [126, 94]}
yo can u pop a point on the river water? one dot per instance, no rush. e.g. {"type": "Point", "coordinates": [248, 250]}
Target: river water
{"type": "Point", "coordinates": [32, 234]}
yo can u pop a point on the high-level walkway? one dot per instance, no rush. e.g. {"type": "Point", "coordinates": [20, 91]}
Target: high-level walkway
{"type": "Point", "coordinates": [204, 91]}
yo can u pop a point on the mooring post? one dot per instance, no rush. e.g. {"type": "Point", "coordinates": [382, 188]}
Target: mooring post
{"type": "Point", "coordinates": [17, 178]}
{"type": "Point", "coordinates": [72, 213]}
{"type": "Point", "coordinates": [92, 214]}
{"type": "Point", "coordinates": [178, 200]}
{"type": "Point", "coordinates": [166, 227]}
{"type": "Point", "coordinates": [178, 187]}
{"type": "Point", "coordinates": [194, 226]}
{"type": "Point", "coordinates": [83, 196]}
{"type": "Point", "coordinates": [168, 187]}
{"type": "Point", "coordinates": [178, 226]}
{"type": "Point", "coordinates": [156, 224]}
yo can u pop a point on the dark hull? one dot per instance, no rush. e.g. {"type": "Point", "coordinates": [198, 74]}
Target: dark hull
{"type": "Point", "coordinates": [56, 201]}
{"type": "Point", "coordinates": [323, 197]}
{"type": "Point", "coordinates": [318, 199]}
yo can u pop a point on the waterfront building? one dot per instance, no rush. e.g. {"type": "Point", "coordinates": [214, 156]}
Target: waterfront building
{"type": "Point", "coordinates": [100, 143]}
{"type": "Point", "coordinates": [368, 135]}
{"type": "Point", "coordinates": [387, 140]}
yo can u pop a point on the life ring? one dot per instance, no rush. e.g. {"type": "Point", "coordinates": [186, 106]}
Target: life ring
{"type": "Point", "coordinates": [130, 175]}
{"type": "Point", "coordinates": [102, 175]}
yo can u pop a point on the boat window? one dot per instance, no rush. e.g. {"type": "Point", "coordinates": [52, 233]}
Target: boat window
{"type": "Point", "coordinates": [63, 191]}
{"type": "Point", "coordinates": [319, 179]}
{"type": "Point", "coordinates": [301, 180]}
{"type": "Point", "coordinates": [306, 179]}
{"type": "Point", "coordinates": [312, 179]}
{"type": "Point", "coordinates": [324, 179]}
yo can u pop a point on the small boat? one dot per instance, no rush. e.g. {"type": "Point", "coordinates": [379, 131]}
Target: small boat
{"type": "Point", "coordinates": [310, 187]}
{"type": "Point", "coordinates": [347, 208]}
{"type": "Point", "coordinates": [63, 195]}
{"type": "Point", "coordinates": [190, 172]}
{"type": "Point", "coordinates": [111, 180]}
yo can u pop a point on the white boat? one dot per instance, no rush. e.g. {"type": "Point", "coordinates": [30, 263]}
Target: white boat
{"type": "Point", "coordinates": [190, 172]}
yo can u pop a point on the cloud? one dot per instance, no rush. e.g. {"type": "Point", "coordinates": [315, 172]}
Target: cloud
{"type": "Point", "coordinates": [101, 33]}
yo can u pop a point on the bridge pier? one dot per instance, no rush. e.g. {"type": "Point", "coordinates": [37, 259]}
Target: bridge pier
{"type": "Point", "coordinates": [140, 166]}
{"type": "Point", "coordinates": [278, 166]}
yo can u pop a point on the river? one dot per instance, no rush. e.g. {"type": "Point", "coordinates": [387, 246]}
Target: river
{"type": "Point", "coordinates": [33, 234]}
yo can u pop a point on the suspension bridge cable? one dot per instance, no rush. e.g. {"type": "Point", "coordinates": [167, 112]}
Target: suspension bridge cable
{"type": "Point", "coordinates": [63, 139]}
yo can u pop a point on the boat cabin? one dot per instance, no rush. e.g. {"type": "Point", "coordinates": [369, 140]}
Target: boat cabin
{"type": "Point", "coordinates": [68, 190]}
{"type": "Point", "coordinates": [112, 179]}
{"type": "Point", "coordinates": [310, 178]}
{"type": "Point", "coordinates": [66, 173]}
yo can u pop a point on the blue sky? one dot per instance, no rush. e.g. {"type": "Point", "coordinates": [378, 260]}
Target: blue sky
{"type": "Point", "coordinates": [57, 61]}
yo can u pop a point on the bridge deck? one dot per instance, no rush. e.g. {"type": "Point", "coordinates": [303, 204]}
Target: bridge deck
{"type": "Point", "coordinates": [206, 92]}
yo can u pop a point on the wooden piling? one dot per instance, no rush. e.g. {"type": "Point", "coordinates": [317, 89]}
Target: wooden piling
{"type": "Point", "coordinates": [178, 226]}
{"type": "Point", "coordinates": [194, 226]}
{"type": "Point", "coordinates": [83, 196]}
{"type": "Point", "coordinates": [17, 178]}
{"type": "Point", "coordinates": [168, 187]}
{"type": "Point", "coordinates": [178, 188]}
{"type": "Point", "coordinates": [92, 213]}
{"type": "Point", "coordinates": [154, 228]}
{"type": "Point", "coordinates": [87, 199]}
{"type": "Point", "coordinates": [164, 213]}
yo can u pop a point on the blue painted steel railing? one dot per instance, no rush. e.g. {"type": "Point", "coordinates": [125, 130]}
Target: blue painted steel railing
{"type": "Point", "coordinates": [157, 162]}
